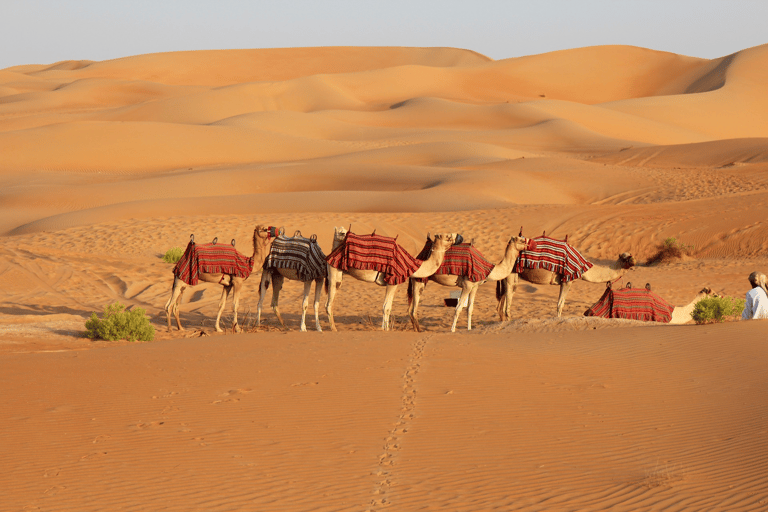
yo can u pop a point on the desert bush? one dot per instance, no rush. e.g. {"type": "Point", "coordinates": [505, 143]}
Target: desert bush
{"type": "Point", "coordinates": [671, 249]}
{"type": "Point", "coordinates": [173, 255]}
{"type": "Point", "coordinates": [717, 309]}
{"type": "Point", "coordinates": [119, 324]}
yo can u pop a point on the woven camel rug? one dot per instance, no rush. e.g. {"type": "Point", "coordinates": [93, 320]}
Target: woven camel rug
{"type": "Point", "coordinates": [460, 260]}
{"type": "Point", "coordinates": [211, 259]}
{"type": "Point", "coordinates": [640, 304]}
{"type": "Point", "coordinates": [300, 254]}
{"type": "Point", "coordinates": [374, 252]}
{"type": "Point", "coordinates": [555, 255]}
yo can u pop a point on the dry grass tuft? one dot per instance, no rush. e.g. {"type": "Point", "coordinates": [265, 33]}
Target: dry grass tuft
{"type": "Point", "coordinates": [671, 250]}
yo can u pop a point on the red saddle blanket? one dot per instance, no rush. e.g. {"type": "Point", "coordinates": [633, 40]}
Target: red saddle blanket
{"type": "Point", "coordinates": [211, 259]}
{"type": "Point", "coordinates": [554, 255]}
{"type": "Point", "coordinates": [374, 252]}
{"type": "Point", "coordinates": [461, 260]}
{"type": "Point", "coordinates": [640, 304]}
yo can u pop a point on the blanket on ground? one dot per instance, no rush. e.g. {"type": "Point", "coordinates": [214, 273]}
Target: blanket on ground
{"type": "Point", "coordinates": [554, 255]}
{"type": "Point", "coordinates": [640, 304]}
{"type": "Point", "coordinates": [211, 259]}
{"type": "Point", "coordinates": [374, 252]}
{"type": "Point", "coordinates": [460, 260]}
{"type": "Point", "coordinates": [301, 254]}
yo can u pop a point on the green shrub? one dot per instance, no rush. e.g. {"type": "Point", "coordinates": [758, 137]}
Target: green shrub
{"type": "Point", "coordinates": [118, 324]}
{"type": "Point", "coordinates": [671, 249]}
{"type": "Point", "coordinates": [173, 255]}
{"type": "Point", "coordinates": [717, 309]}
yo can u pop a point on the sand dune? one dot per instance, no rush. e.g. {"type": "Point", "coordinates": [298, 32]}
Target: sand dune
{"type": "Point", "coordinates": [107, 165]}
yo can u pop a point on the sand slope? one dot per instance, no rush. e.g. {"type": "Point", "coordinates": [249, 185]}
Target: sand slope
{"type": "Point", "coordinates": [107, 165]}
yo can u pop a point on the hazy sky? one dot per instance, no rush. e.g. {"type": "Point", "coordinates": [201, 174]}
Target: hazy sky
{"type": "Point", "coordinates": [47, 31]}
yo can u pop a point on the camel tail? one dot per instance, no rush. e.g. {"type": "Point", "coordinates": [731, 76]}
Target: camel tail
{"type": "Point", "coordinates": [410, 291]}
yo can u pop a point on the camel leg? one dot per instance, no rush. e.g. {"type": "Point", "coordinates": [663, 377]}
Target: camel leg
{"type": "Point", "coordinates": [172, 306]}
{"type": "Point", "coordinates": [237, 286]}
{"type": "Point", "coordinates": [465, 289]}
{"type": "Point", "coordinates": [564, 287]}
{"type": "Point", "coordinates": [388, 299]}
{"type": "Point", "coordinates": [305, 304]}
{"type": "Point", "coordinates": [333, 284]}
{"type": "Point", "coordinates": [318, 294]}
{"type": "Point", "coordinates": [176, 306]}
{"type": "Point", "coordinates": [506, 289]}
{"type": "Point", "coordinates": [417, 288]}
{"type": "Point", "coordinates": [224, 294]}
{"type": "Point", "coordinates": [471, 304]}
{"type": "Point", "coordinates": [263, 285]}
{"type": "Point", "coordinates": [277, 285]}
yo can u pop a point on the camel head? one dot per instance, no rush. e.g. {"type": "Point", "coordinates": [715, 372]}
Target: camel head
{"type": "Point", "coordinates": [626, 261]}
{"type": "Point", "coordinates": [339, 235]}
{"type": "Point", "coordinates": [520, 243]}
{"type": "Point", "coordinates": [708, 292]}
{"type": "Point", "coordinates": [264, 235]}
{"type": "Point", "coordinates": [443, 241]}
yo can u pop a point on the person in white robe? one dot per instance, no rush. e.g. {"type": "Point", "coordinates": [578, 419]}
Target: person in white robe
{"type": "Point", "coordinates": [757, 298]}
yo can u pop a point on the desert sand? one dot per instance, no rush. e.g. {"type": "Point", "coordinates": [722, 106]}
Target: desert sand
{"type": "Point", "coordinates": [107, 165]}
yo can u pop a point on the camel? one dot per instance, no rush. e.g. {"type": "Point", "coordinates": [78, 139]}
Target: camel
{"type": "Point", "coordinates": [505, 288]}
{"type": "Point", "coordinates": [468, 288]}
{"type": "Point", "coordinates": [644, 305]}
{"type": "Point", "coordinates": [683, 314]}
{"type": "Point", "coordinates": [262, 240]}
{"type": "Point", "coordinates": [296, 259]}
{"type": "Point", "coordinates": [426, 268]}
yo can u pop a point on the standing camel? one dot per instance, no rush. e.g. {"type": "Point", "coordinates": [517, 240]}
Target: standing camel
{"type": "Point", "coordinates": [297, 259]}
{"type": "Point", "coordinates": [466, 268]}
{"type": "Point", "coordinates": [555, 262]}
{"type": "Point", "coordinates": [220, 264]}
{"type": "Point", "coordinates": [377, 259]}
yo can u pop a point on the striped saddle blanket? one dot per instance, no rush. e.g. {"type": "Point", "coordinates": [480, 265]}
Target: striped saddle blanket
{"type": "Point", "coordinates": [460, 260]}
{"type": "Point", "coordinates": [211, 259]}
{"type": "Point", "coordinates": [374, 252]}
{"type": "Point", "coordinates": [640, 304]}
{"type": "Point", "coordinates": [554, 255]}
{"type": "Point", "coordinates": [301, 254]}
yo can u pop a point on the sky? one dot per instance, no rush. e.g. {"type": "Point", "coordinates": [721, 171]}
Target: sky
{"type": "Point", "coordinates": [48, 31]}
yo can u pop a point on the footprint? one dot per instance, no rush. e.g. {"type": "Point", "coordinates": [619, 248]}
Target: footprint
{"type": "Point", "coordinates": [93, 455]}
{"type": "Point", "coordinates": [240, 391]}
{"type": "Point", "coordinates": [144, 426]}
{"type": "Point", "coordinates": [225, 401]}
